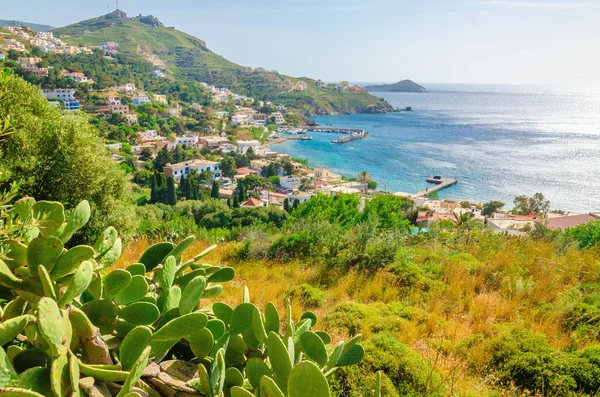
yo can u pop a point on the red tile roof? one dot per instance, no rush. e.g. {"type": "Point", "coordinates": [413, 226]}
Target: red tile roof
{"type": "Point", "coordinates": [565, 222]}
{"type": "Point", "coordinates": [253, 203]}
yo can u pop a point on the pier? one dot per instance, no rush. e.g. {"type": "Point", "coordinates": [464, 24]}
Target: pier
{"type": "Point", "coordinates": [439, 182]}
{"type": "Point", "coordinates": [300, 137]}
{"type": "Point", "coordinates": [332, 130]}
{"type": "Point", "coordinates": [350, 138]}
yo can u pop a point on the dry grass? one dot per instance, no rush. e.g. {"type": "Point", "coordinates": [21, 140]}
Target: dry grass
{"type": "Point", "coordinates": [507, 287]}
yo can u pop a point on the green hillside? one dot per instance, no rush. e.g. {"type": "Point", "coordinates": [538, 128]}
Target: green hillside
{"type": "Point", "coordinates": [35, 26]}
{"type": "Point", "coordinates": [184, 55]}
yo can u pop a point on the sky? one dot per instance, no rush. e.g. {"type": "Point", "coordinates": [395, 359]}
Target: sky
{"type": "Point", "coordinates": [435, 41]}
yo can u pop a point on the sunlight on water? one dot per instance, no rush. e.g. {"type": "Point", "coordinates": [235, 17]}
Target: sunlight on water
{"type": "Point", "coordinates": [499, 141]}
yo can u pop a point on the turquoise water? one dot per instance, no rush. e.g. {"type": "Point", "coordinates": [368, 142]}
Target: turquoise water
{"type": "Point", "coordinates": [498, 141]}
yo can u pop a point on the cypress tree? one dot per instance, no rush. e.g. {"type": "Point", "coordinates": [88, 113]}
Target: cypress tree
{"type": "Point", "coordinates": [286, 206]}
{"type": "Point", "coordinates": [153, 187]}
{"type": "Point", "coordinates": [236, 202]}
{"type": "Point", "coordinates": [241, 192]}
{"type": "Point", "coordinates": [229, 202]}
{"type": "Point", "coordinates": [184, 188]}
{"type": "Point", "coordinates": [214, 192]}
{"type": "Point", "coordinates": [171, 196]}
{"type": "Point", "coordinates": [296, 204]}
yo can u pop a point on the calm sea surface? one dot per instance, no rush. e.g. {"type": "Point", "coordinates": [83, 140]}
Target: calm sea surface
{"type": "Point", "coordinates": [498, 141]}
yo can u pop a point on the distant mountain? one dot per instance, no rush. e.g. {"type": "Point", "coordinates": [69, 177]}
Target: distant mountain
{"type": "Point", "coordinates": [401, 86]}
{"type": "Point", "coordinates": [35, 26]}
{"type": "Point", "coordinates": [145, 37]}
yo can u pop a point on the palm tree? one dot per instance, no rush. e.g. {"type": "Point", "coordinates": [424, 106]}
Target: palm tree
{"type": "Point", "coordinates": [364, 178]}
{"type": "Point", "coordinates": [462, 218]}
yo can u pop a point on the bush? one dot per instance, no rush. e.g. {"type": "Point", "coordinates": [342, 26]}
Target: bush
{"type": "Point", "coordinates": [360, 318]}
{"type": "Point", "coordinates": [403, 370]}
{"type": "Point", "coordinates": [525, 359]}
{"type": "Point", "coordinates": [59, 157]}
{"type": "Point", "coordinates": [297, 245]}
{"type": "Point", "coordinates": [309, 297]}
{"type": "Point", "coordinates": [586, 235]}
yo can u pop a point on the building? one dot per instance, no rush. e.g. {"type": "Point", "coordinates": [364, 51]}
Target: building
{"type": "Point", "coordinates": [300, 197]}
{"type": "Point", "coordinates": [567, 221]}
{"type": "Point", "coordinates": [78, 77]}
{"type": "Point", "coordinates": [184, 168]}
{"type": "Point", "coordinates": [28, 60]}
{"type": "Point", "coordinates": [113, 100]}
{"type": "Point", "coordinates": [127, 88]}
{"type": "Point", "coordinates": [160, 99]}
{"type": "Point", "coordinates": [64, 94]}
{"type": "Point", "coordinates": [40, 72]}
{"type": "Point", "coordinates": [252, 203]}
{"type": "Point", "coordinates": [279, 119]}
{"type": "Point", "coordinates": [290, 182]}
{"type": "Point", "coordinates": [187, 140]}
{"type": "Point", "coordinates": [140, 100]}
{"type": "Point", "coordinates": [131, 118]}
{"type": "Point", "coordinates": [222, 114]}
{"type": "Point", "coordinates": [71, 105]}
{"type": "Point", "coordinates": [120, 109]}
{"type": "Point", "coordinates": [243, 146]}
{"type": "Point", "coordinates": [213, 142]}
{"type": "Point", "coordinates": [239, 119]}
{"type": "Point", "coordinates": [158, 73]}
{"type": "Point", "coordinates": [196, 106]}
{"type": "Point", "coordinates": [320, 83]}
{"type": "Point", "coordinates": [2, 56]}
{"type": "Point", "coordinates": [343, 86]}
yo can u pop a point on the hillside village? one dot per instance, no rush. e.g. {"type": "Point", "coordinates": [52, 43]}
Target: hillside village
{"type": "Point", "coordinates": [226, 124]}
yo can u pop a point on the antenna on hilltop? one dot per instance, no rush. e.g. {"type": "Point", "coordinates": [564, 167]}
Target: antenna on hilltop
{"type": "Point", "coordinates": [117, 4]}
{"type": "Point", "coordinates": [108, 8]}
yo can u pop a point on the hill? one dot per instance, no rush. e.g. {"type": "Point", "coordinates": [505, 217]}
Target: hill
{"type": "Point", "coordinates": [145, 37]}
{"type": "Point", "coordinates": [401, 86]}
{"type": "Point", "coordinates": [35, 26]}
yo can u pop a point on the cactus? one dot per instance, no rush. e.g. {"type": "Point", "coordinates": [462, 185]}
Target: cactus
{"type": "Point", "coordinates": [83, 328]}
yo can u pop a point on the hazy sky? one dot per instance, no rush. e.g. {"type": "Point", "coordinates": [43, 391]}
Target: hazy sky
{"type": "Point", "coordinates": [479, 41]}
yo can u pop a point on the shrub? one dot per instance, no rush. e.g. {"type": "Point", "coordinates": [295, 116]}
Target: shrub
{"type": "Point", "coordinates": [310, 297]}
{"type": "Point", "coordinates": [404, 369]}
{"type": "Point", "coordinates": [586, 235]}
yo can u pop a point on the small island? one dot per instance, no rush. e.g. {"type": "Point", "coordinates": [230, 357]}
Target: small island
{"type": "Point", "coordinates": [401, 86]}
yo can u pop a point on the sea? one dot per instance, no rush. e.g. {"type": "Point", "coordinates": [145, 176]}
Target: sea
{"type": "Point", "coordinates": [498, 141]}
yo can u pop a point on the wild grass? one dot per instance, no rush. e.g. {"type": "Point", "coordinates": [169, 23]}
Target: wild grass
{"type": "Point", "coordinates": [435, 298]}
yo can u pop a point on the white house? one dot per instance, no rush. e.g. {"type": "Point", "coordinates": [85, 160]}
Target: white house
{"type": "Point", "coordinates": [301, 197]}
{"type": "Point", "coordinates": [278, 118]}
{"type": "Point", "coordinates": [184, 168]}
{"type": "Point", "coordinates": [290, 182]}
{"type": "Point", "coordinates": [140, 100]}
{"type": "Point", "coordinates": [186, 140]}
{"type": "Point", "coordinates": [64, 94]}
{"type": "Point", "coordinates": [244, 145]}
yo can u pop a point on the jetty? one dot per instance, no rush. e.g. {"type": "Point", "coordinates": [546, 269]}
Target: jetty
{"type": "Point", "coordinates": [299, 137]}
{"type": "Point", "coordinates": [332, 130]}
{"type": "Point", "coordinates": [350, 138]}
{"type": "Point", "coordinates": [439, 182]}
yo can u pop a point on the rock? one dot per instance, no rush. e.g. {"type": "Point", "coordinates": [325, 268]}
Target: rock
{"type": "Point", "coordinates": [179, 369]}
{"type": "Point", "coordinates": [151, 371]}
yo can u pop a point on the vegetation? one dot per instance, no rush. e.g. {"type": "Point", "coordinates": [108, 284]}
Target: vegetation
{"type": "Point", "coordinates": [58, 157]}
{"type": "Point", "coordinates": [67, 327]}
{"type": "Point", "coordinates": [187, 56]}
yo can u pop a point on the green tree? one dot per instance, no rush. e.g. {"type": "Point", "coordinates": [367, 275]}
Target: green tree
{"type": "Point", "coordinates": [184, 187]}
{"type": "Point", "coordinates": [163, 158]}
{"type": "Point", "coordinates": [364, 178]}
{"type": "Point", "coordinates": [178, 154]}
{"type": "Point", "coordinates": [286, 206]}
{"type": "Point", "coordinates": [537, 205]}
{"type": "Point", "coordinates": [236, 202]}
{"type": "Point", "coordinates": [228, 167]}
{"type": "Point", "coordinates": [214, 191]}
{"type": "Point", "coordinates": [171, 197]}
{"type": "Point", "coordinates": [145, 154]}
{"type": "Point", "coordinates": [61, 157]}
{"type": "Point", "coordinates": [490, 207]}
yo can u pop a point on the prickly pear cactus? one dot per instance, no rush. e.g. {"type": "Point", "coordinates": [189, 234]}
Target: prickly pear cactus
{"type": "Point", "coordinates": [72, 327]}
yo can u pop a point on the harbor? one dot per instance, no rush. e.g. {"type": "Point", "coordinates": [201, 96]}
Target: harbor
{"type": "Point", "coordinates": [348, 134]}
{"type": "Point", "coordinates": [439, 184]}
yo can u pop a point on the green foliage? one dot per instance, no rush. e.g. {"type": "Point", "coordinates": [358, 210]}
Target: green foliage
{"type": "Point", "coordinates": [405, 373]}
{"type": "Point", "coordinates": [586, 235]}
{"type": "Point", "coordinates": [309, 297]}
{"type": "Point", "coordinates": [59, 157]}
{"type": "Point", "coordinates": [73, 327]}
{"type": "Point", "coordinates": [490, 207]}
{"type": "Point", "coordinates": [537, 205]}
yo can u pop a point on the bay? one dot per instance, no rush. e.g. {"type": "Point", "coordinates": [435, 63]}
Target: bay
{"type": "Point", "coordinates": [498, 141]}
